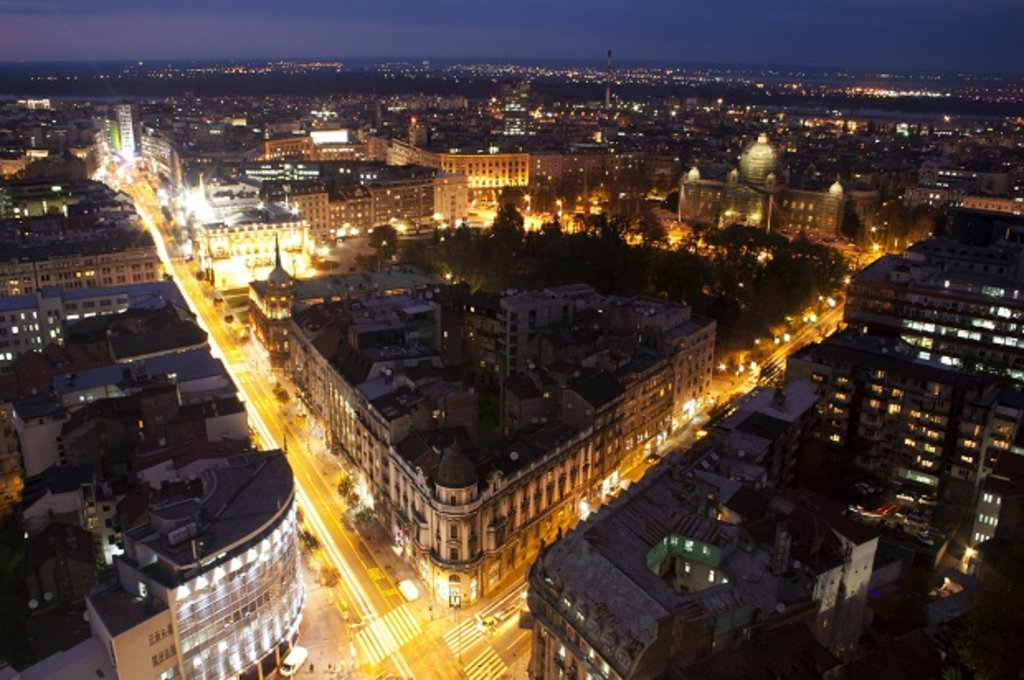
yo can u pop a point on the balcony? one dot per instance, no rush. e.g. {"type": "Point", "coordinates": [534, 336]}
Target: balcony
{"type": "Point", "coordinates": [456, 565]}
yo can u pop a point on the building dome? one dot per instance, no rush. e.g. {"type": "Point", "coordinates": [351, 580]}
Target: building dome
{"type": "Point", "coordinates": [836, 189]}
{"type": "Point", "coordinates": [758, 160]}
{"type": "Point", "coordinates": [456, 470]}
{"type": "Point", "coordinates": [693, 175]}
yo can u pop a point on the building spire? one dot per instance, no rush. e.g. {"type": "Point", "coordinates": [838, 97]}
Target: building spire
{"type": "Point", "coordinates": [277, 252]}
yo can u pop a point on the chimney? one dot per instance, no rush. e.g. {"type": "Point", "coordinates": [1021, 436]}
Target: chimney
{"type": "Point", "coordinates": [779, 399]}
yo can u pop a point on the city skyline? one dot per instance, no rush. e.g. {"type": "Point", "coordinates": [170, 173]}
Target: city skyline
{"type": "Point", "coordinates": [853, 33]}
{"type": "Point", "coordinates": [565, 341]}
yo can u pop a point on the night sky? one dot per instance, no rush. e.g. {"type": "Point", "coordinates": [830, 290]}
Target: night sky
{"type": "Point", "coordinates": [969, 35]}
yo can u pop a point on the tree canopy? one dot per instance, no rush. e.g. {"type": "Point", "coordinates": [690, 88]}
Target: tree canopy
{"type": "Point", "coordinates": [745, 278]}
{"type": "Point", "coordinates": [384, 239]}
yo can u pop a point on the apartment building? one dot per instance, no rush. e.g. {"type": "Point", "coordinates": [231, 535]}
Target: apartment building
{"type": "Point", "coordinates": [465, 515]}
{"type": "Point", "coordinates": [920, 425]}
{"type": "Point", "coordinates": [961, 305]}
{"type": "Point", "coordinates": [689, 563]}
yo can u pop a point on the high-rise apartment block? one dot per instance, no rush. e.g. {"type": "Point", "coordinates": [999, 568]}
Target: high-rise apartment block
{"type": "Point", "coordinates": [515, 107]}
{"type": "Point", "coordinates": [960, 305]}
{"type": "Point", "coordinates": [923, 426]}
{"type": "Point", "coordinates": [125, 114]}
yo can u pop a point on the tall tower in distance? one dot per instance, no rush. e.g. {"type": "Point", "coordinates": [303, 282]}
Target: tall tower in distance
{"type": "Point", "coordinates": [125, 114]}
{"type": "Point", "coordinates": [515, 105]}
{"type": "Point", "coordinates": [608, 82]}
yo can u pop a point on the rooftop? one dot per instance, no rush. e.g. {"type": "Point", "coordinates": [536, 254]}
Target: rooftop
{"type": "Point", "coordinates": [235, 502]}
{"type": "Point", "coordinates": [888, 354]}
{"type": "Point", "coordinates": [396, 278]}
{"type": "Point", "coordinates": [192, 364]}
{"type": "Point", "coordinates": [88, 659]}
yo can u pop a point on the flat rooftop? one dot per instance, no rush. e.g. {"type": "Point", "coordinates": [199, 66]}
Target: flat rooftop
{"type": "Point", "coordinates": [234, 502]}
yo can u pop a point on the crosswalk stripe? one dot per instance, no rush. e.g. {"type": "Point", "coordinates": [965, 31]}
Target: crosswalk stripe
{"type": "Point", "coordinates": [372, 650]}
{"type": "Point", "coordinates": [384, 635]}
{"type": "Point", "coordinates": [470, 633]}
{"type": "Point", "coordinates": [403, 624]}
{"type": "Point", "coordinates": [486, 666]}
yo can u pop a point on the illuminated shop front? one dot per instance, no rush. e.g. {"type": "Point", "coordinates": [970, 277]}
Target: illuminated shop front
{"type": "Point", "coordinates": [231, 617]}
{"type": "Point", "coordinates": [218, 573]}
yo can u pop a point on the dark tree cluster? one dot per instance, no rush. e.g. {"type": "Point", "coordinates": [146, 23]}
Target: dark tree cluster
{"type": "Point", "coordinates": [746, 279]}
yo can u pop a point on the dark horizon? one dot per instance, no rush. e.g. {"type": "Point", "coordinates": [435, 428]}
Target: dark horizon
{"type": "Point", "coordinates": [588, 62]}
{"type": "Point", "coordinates": [944, 35]}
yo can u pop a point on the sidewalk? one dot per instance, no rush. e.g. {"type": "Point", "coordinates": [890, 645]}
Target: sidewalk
{"type": "Point", "coordinates": [323, 631]}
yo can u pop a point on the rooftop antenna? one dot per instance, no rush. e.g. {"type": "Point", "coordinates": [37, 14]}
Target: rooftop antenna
{"type": "Point", "coordinates": [608, 82]}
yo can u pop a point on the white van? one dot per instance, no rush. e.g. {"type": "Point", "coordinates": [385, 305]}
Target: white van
{"type": "Point", "coordinates": [293, 661]}
{"type": "Point", "coordinates": [409, 590]}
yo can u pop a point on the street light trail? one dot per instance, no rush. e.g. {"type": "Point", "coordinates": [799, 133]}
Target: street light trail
{"type": "Point", "coordinates": [367, 610]}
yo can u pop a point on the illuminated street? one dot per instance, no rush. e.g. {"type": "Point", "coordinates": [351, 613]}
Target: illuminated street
{"type": "Point", "coordinates": [334, 345]}
{"type": "Point", "coordinates": [387, 630]}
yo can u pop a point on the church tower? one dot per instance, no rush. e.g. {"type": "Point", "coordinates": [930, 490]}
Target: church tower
{"type": "Point", "coordinates": [271, 308]}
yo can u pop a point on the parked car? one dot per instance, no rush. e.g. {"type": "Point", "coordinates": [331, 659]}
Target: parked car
{"type": "Point", "coordinates": [293, 661]}
{"type": "Point", "coordinates": [409, 590]}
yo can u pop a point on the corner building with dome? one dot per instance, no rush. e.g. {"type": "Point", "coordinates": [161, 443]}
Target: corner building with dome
{"type": "Point", "coordinates": [756, 193]}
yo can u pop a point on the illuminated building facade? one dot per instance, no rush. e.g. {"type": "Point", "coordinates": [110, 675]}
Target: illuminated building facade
{"type": "Point", "coordinates": [957, 304]}
{"type": "Point", "coordinates": [243, 248]}
{"type": "Point", "coordinates": [291, 147]}
{"type": "Point", "coordinates": [490, 170]}
{"type": "Point", "coordinates": [345, 198]}
{"type": "Point", "coordinates": [351, 211]}
{"type": "Point", "coordinates": [755, 193]}
{"type": "Point", "coordinates": [468, 518]}
{"type": "Point", "coordinates": [270, 301]}
{"type": "Point", "coordinates": [270, 304]}
{"type": "Point", "coordinates": [209, 587]}
{"type": "Point", "coordinates": [404, 203]}
{"type": "Point", "coordinates": [451, 198]}
{"type": "Point", "coordinates": [32, 320]}
{"type": "Point", "coordinates": [119, 256]}
{"type": "Point", "coordinates": [159, 153]}
{"type": "Point", "coordinates": [311, 201]}
{"type": "Point", "coordinates": [125, 118]}
{"type": "Point", "coordinates": [919, 425]}
{"type": "Point", "coordinates": [515, 108]}
{"type": "Point", "coordinates": [1000, 505]}
{"type": "Point", "coordinates": [318, 145]}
